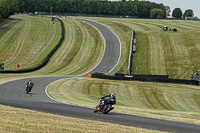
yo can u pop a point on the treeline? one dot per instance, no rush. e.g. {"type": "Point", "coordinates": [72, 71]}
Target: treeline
{"type": "Point", "coordinates": [7, 8]}
{"type": "Point", "coordinates": [135, 8]}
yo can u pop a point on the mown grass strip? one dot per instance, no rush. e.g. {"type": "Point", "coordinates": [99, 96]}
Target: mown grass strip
{"type": "Point", "coordinates": [149, 99]}
{"type": "Point", "coordinates": [169, 53]}
{"type": "Point", "coordinates": [80, 52]}
{"type": "Point", "coordinates": [26, 41]}
{"type": "Point", "coordinates": [187, 110]}
{"type": "Point", "coordinates": [83, 52]}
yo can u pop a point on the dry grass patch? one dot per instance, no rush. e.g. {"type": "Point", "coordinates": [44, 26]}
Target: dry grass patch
{"type": "Point", "coordinates": [25, 121]}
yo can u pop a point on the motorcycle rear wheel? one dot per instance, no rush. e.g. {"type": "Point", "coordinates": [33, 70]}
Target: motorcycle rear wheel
{"type": "Point", "coordinates": [107, 108]}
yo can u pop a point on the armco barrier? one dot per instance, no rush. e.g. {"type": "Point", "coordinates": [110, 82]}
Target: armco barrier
{"type": "Point", "coordinates": [142, 76]}
{"type": "Point", "coordinates": [148, 78]}
{"type": "Point", "coordinates": [46, 60]}
{"type": "Point", "coordinates": [132, 50]}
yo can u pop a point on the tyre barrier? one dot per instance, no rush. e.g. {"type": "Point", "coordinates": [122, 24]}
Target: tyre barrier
{"type": "Point", "coordinates": [46, 60]}
{"type": "Point", "coordinates": [144, 78]}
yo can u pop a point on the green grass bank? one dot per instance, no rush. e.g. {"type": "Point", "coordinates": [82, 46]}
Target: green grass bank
{"type": "Point", "coordinates": [158, 100]}
{"type": "Point", "coordinates": [164, 53]}
{"type": "Point", "coordinates": [23, 43]}
{"type": "Point", "coordinates": [173, 53]}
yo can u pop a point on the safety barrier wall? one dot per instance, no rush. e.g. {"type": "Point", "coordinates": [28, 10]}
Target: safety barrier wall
{"type": "Point", "coordinates": [145, 78]}
{"type": "Point", "coordinates": [120, 70]}
{"type": "Point", "coordinates": [80, 14]}
{"type": "Point", "coordinates": [132, 50]}
{"type": "Point", "coordinates": [46, 60]}
{"type": "Point", "coordinates": [142, 76]}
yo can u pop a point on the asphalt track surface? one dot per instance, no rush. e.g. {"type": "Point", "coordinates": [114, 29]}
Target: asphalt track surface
{"type": "Point", "coordinates": [13, 94]}
{"type": "Point", "coordinates": [7, 23]}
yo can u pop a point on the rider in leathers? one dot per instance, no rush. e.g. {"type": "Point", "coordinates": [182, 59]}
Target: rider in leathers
{"type": "Point", "coordinates": [29, 83]}
{"type": "Point", "coordinates": [111, 96]}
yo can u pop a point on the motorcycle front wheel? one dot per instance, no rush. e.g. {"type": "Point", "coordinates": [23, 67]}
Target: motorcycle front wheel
{"type": "Point", "coordinates": [28, 90]}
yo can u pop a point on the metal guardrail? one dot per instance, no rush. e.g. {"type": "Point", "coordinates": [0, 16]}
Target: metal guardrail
{"type": "Point", "coordinates": [145, 78]}
{"type": "Point", "coordinates": [132, 51]}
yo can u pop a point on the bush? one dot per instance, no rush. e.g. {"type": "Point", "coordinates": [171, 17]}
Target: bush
{"type": "Point", "coordinates": [156, 13]}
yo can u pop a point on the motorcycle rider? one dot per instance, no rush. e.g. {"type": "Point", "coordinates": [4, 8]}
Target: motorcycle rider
{"type": "Point", "coordinates": [111, 96]}
{"type": "Point", "coordinates": [29, 83]}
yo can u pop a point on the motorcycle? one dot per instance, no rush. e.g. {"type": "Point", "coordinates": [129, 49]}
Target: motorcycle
{"type": "Point", "coordinates": [28, 88]}
{"type": "Point", "coordinates": [105, 105]}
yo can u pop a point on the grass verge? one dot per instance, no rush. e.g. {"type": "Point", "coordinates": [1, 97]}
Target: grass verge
{"type": "Point", "coordinates": [157, 100]}
{"type": "Point", "coordinates": [175, 54]}
{"type": "Point", "coordinates": [23, 42]}
{"type": "Point", "coordinates": [164, 53]}
{"type": "Point", "coordinates": [25, 121]}
{"type": "Point", "coordinates": [80, 52]}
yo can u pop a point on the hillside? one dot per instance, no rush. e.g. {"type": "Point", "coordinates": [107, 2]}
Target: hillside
{"type": "Point", "coordinates": [167, 53]}
{"type": "Point", "coordinates": [158, 52]}
{"type": "Point", "coordinates": [27, 42]}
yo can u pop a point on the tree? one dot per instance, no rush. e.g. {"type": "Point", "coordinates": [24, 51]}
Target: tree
{"type": "Point", "coordinates": [13, 6]}
{"type": "Point", "coordinates": [156, 13]}
{"type": "Point", "coordinates": [167, 11]}
{"type": "Point", "coordinates": [4, 9]}
{"type": "Point", "coordinates": [143, 9]}
{"type": "Point", "coordinates": [188, 13]}
{"type": "Point", "coordinates": [100, 7]}
{"type": "Point", "coordinates": [7, 8]}
{"type": "Point", "coordinates": [177, 13]}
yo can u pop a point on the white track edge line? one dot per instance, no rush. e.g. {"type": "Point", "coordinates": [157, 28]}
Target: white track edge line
{"type": "Point", "coordinates": [57, 100]}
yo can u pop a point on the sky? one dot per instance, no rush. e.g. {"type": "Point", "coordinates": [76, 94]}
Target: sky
{"type": "Point", "coordinates": [183, 4]}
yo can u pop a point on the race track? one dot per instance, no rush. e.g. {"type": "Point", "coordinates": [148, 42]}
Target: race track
{"type": "Point", "coordinates": [13, 94]}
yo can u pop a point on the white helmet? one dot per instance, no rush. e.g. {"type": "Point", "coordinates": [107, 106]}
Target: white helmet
{"type": "Point", "coordinates": [113, 93]}
{"type": "Point", "coordinates": [30, 80]}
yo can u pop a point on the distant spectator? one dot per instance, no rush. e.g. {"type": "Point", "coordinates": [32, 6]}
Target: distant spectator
{"type": "Point", "coordinates": [192, 75]}
{"type": "Point", "coordinates": [196, 73]}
